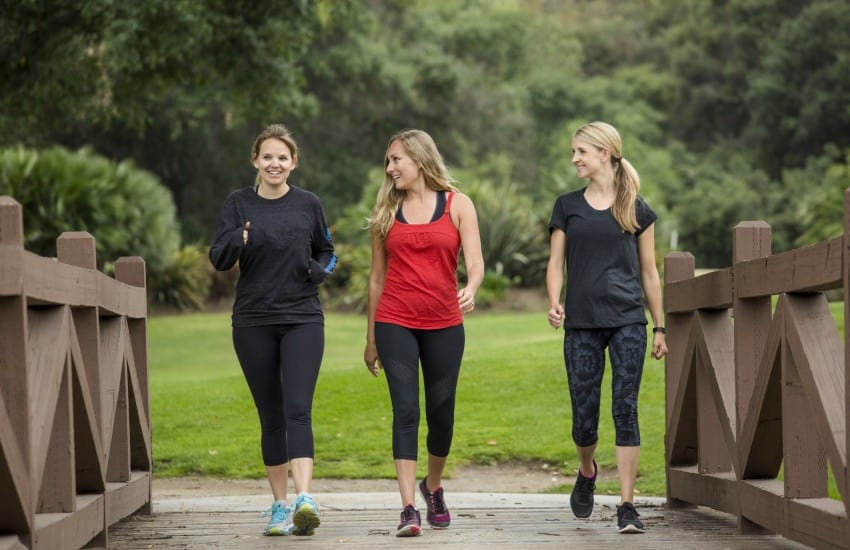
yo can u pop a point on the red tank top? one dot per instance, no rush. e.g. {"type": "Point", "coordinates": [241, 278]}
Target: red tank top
{"type": "Point", "coordinates": [420, 288]}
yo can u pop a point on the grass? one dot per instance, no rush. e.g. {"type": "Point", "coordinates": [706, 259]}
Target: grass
{"type": "Point", "coordinates": [512, 404]}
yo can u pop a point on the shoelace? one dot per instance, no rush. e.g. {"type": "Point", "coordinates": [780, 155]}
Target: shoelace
{"type": "Point", "coordinates": [409, 513]}
{"type": "Point", "coordinates": [437, 502]}
{"type": "Point", "coordinates": [277, 512]}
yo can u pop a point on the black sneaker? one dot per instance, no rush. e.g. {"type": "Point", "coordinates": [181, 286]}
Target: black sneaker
{"type": "Point", "coordinates": [628, 519]}
{"type": "Point", "coordinates": [581, 499]}
{"type": "Point", "coordinates": [410, 524]}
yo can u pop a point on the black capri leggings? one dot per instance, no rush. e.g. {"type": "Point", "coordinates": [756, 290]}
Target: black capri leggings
{"type": "Point", "coordinates": [584, 353]}
{"type": "Point", "coordinates": [400, 350]}
{"type": "Point", "coordinates": [281, 365]}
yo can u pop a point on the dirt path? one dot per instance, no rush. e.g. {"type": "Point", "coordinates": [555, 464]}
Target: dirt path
{"type": "Point", "coordinates": [502, 478]}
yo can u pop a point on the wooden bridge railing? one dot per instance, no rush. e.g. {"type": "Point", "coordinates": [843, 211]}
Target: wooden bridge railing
{"type": "Point", "coordinates": [75, 439]}
{"type": "Point", "coordinates": [755, 388]}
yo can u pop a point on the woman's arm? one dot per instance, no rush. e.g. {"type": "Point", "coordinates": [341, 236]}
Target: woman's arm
{"type": "Point", "coordinates": [229, 240]}
{"type": "Point", "coordinates": [466, 221]}
{"type": "Point", "coordinates": [555, 276]}
{"type": "Point", "coordinates": [651, 283]}
{"type": "Point", "coordinates": [377, 275]}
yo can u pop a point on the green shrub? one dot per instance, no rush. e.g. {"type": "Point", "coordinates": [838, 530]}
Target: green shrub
{"type": "Point", "coordinates": [127, 210]}
{"type": "Point", "coordinates": [184, 283]}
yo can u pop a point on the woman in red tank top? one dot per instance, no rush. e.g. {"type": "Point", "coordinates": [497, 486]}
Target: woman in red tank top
{"type": "Point", "coordinates": [419, 225]}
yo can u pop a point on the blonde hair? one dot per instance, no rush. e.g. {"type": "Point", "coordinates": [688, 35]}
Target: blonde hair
{"type": "Point", "coordinates": [274, 131]}
{"type": "Point", "coordinates": [626, 180]}
{"type": "Point", "coordinates": [423, 151]}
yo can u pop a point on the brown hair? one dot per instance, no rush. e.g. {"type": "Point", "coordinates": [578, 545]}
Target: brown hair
{"type": "Point", "coordinates": [275, 131]}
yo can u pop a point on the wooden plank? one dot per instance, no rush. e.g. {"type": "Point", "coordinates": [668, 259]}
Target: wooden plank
{"type": "Point", "coordinates": [760, 440]}
{"type": "Point", "coordinates": [716, 393]}
{"type": "Point", "coordinates": [12, 273]}
{"type": "Point", "coordinates": [718, 491]}
{"type": "Point", "coordinates": [818, 355]}
{"type": "Point", "coordinates": [809, 269]}
{"type": "Point", "coordinates": [140, 433]}
{"type": "Point", "coordinates": [16, 501]}
{"type": "Point", "coordinates": [88, 445]}
{"type": "Point", "coordinates": [710, 291]}
{"type": "Point", "coordinates": [472, 528]}
{"type": "Point", "coordinates": [762, 502]}
{"type": "Point", "coordinates": [817, 522]}
{"type": "Point", "coordinates": [47, 281]}
{"type": "Point", "coordinates": [71, 530]}
{"type": "Point", "coordinates": [846, 340]}
{"type": "Point", "coordinates": [11, 222]}
{"type": "Point", "coordinates": [122, 499]}
{"type": "Point", "coordinates": [57, 488]}
{"type": "Point", "coordinates": [681, 430]}
{"type": "Point", "coordinates": [117, 298]}
{"type": "Point", "coordinates": [47, 354]}
{"type": "Point", "coordinates": [11, 542]}
{"type": "Point", "coordinates": [17, 505]}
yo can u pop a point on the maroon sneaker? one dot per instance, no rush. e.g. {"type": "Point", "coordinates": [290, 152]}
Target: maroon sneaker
{"type": "Point", "coordinates": [438, 515]}
{"type": "Point", "coordinates": [410, 524]}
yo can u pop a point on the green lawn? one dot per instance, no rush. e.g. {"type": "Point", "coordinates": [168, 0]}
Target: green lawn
{"type": "Point", "coordinates": [512, 403]}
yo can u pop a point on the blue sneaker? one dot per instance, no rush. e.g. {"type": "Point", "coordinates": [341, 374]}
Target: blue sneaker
{"type": "Point", "coordinates": [306, 516]}
{"type": "Point", "coordinates": [280, 522]}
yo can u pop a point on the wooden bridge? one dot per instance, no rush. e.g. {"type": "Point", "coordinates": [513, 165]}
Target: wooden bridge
{"type": "Point", "coordinates": [757, 415]}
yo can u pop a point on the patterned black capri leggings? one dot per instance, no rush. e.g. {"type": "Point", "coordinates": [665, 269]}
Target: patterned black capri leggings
{"type": "Point", "coordinates": [584, 355]}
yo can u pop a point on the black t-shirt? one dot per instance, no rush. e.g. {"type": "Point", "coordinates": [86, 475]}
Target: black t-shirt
{"type": "Point", "coordinates": [288, 252]}
{"type": "Point", "coordinates": [603, 272]}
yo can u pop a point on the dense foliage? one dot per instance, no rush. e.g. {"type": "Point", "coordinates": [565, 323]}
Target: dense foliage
{"type": "Point", "coordinates": [729, 110]}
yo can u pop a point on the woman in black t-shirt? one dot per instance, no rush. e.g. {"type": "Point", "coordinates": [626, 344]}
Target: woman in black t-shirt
{"type": "Point", "coordinates": [278, 234]}
{"type": "Point", "coordinates": [605, 234]}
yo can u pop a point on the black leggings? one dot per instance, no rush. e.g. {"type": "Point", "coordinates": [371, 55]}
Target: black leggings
{"type": "Point", "coordinates": [400, 350]}
{"type": "Point", "coordinates": [281, 365]}
{"type": "Point", "coordinates": [584, 353]}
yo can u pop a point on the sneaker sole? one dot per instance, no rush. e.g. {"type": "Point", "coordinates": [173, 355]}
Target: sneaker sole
{"type": "Point", "coordinates": [581, 514]}
{"type": "Point", "coordinates": [409, 531]}
{"type": "Point", "coordinates": [631, 529]}
{"type": "Point", "coordinates": [438, 525]}
{"type": "Point", "coordinates": [276, 532]}
{"type": "Point", "coordinates": [306, 520]}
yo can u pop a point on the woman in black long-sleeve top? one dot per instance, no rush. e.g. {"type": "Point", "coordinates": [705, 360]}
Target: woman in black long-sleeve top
{"type": "Point", "coordinates": [279, 236]}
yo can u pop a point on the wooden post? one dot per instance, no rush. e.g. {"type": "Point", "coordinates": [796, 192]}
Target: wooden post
{"type": "Point", "coordinates": [846, 286]}
{"type": "Point", "coordinates": [677, 266]}
{"type": "Point", "coordinates": [750, 240]}
{"type": "Point", "coordinates": [78, 248]}
{"type": "Point", "coordinates": [132, 271]}
{"type": "Point", "coordinates": [17, 505]}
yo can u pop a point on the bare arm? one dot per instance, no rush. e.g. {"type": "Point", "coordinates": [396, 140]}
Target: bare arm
{"type": "Point", "coordinates": [466, 221]}
{"type": "Point", "coordinates": [651, 283]}
{"type": "Point", "coordinates": [555, 276]}
{"type": "Point", "coordinates": [376, 286]}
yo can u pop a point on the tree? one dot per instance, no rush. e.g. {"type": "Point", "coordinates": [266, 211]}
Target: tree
{"type": "Point", "coordinates": [798, 99]}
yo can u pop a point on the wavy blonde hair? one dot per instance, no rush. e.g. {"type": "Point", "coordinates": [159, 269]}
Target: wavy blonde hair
{"type": "Point", "coordinates": [423, 151]}
{"type": "Point", "coordinates": [626, 180]}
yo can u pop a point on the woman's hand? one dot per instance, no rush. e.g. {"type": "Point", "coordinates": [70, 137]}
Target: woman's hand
{"type": "Point", "coordinates": [659, 345]}
{"type": "Point", "coordinates": [245, 233]}
{"type": "Point", "coordinates": [556, 315]}
{"type": "Point", "coordinates": [370, 357]}
{"type": "Point", "coordinates": [466, 300]}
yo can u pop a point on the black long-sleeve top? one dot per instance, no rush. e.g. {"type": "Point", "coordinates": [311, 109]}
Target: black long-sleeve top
{"type": "Point", "coordinates": [288, 253]}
